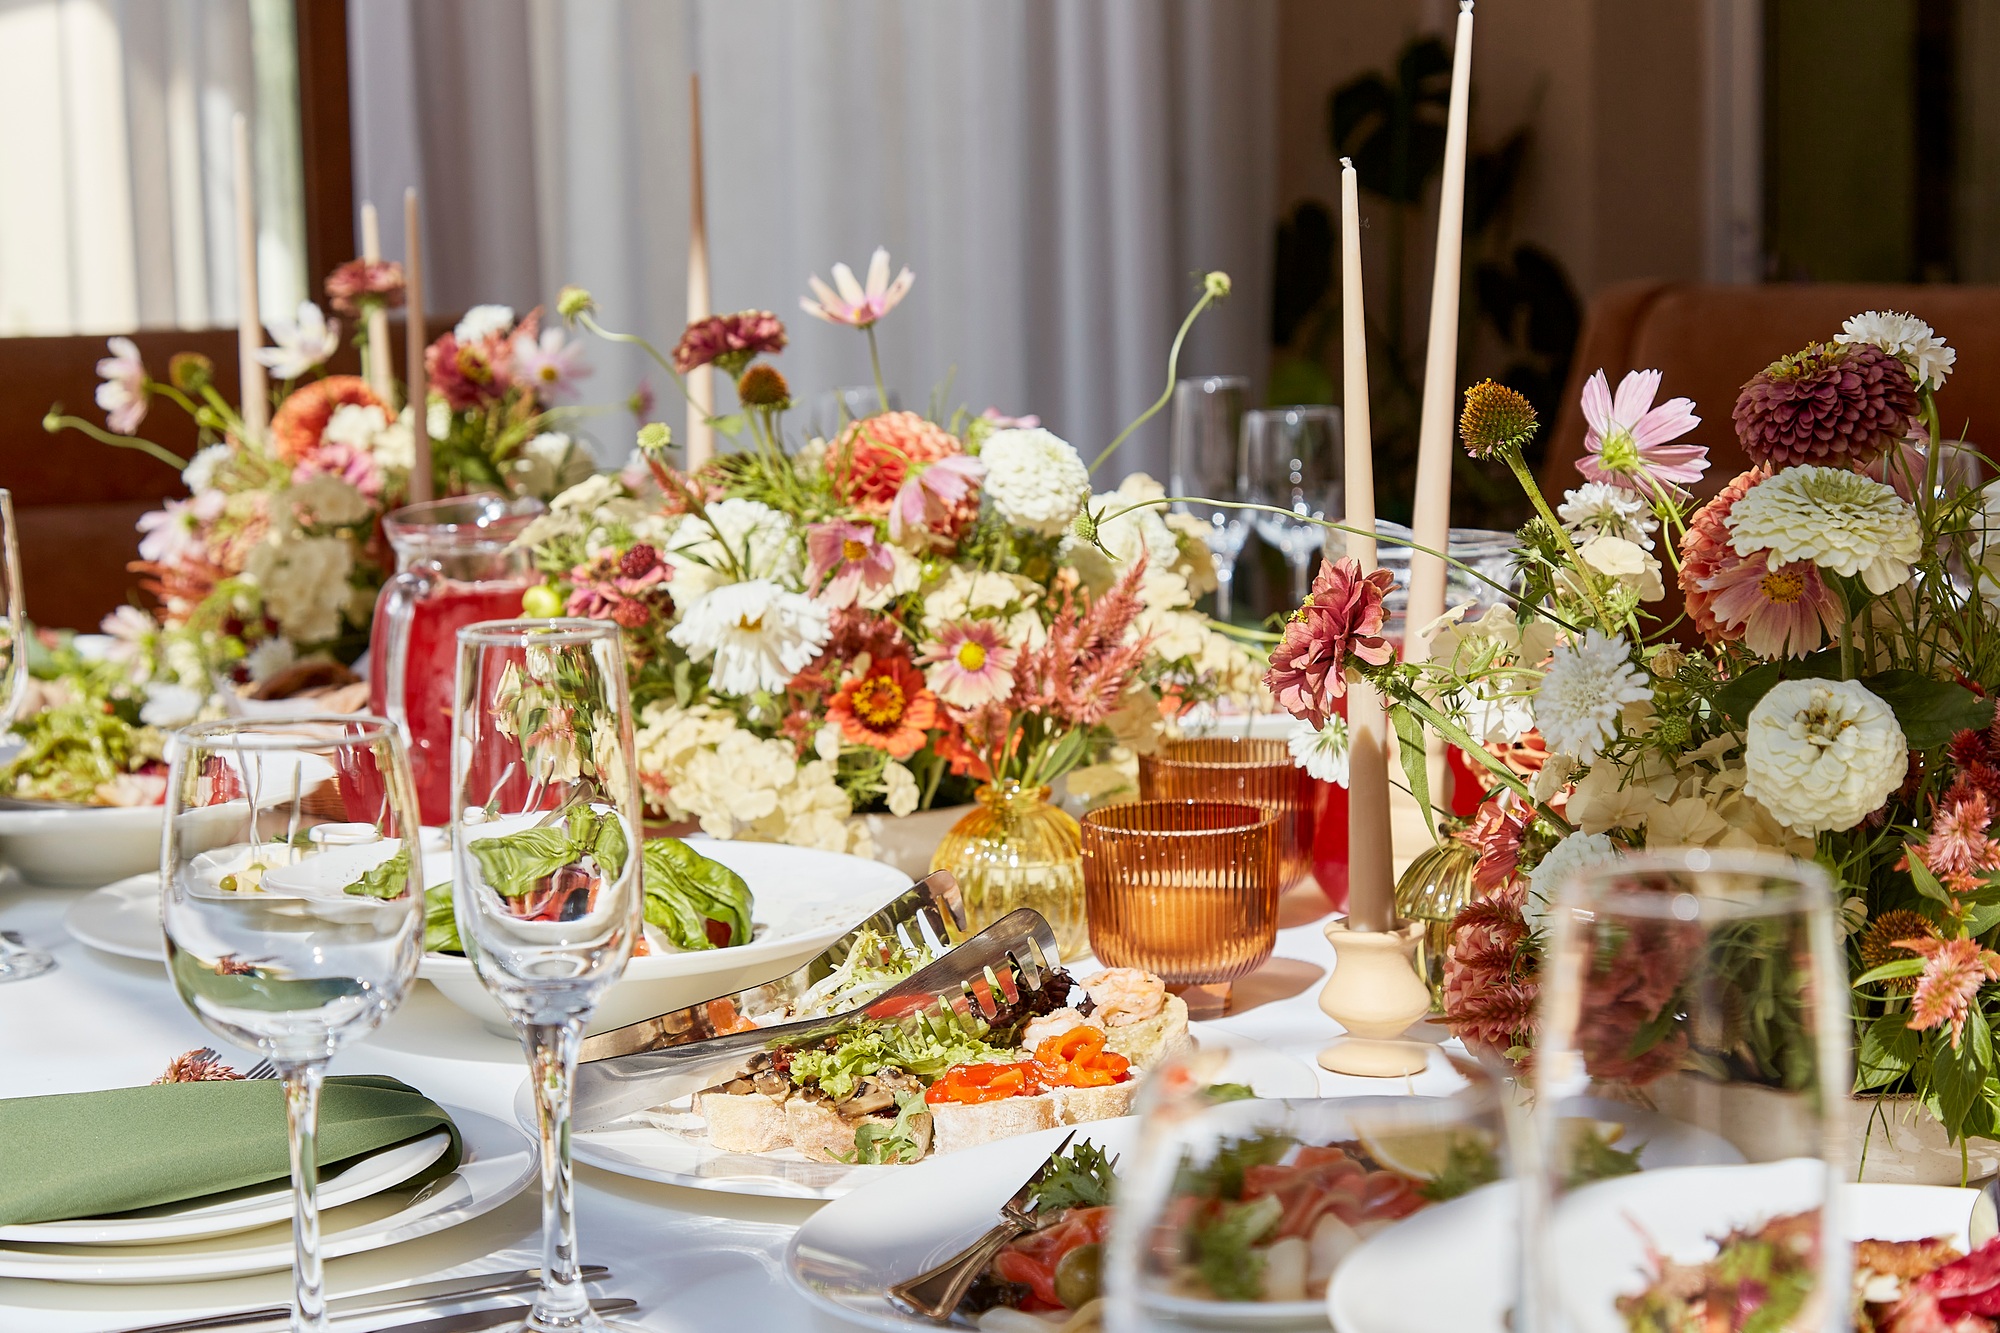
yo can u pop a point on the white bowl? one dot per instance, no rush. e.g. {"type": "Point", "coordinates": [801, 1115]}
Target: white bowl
{"type": "Point", "coordinates": [804, 901]}
{"type": "Point", "coordinates": [65, 846]}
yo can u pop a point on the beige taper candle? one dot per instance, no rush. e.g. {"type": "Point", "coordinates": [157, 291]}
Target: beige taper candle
{"type": "Point", "coordinates": [254, 387]}
{"type": "Point", "coordinates": [381, 374]}
{"type": "Point", "coordinates": [700, 436]}
{"type": "Point", "coordinates": [413, 339]}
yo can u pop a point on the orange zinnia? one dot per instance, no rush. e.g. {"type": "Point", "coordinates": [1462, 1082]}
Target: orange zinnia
{"type": "Point", "coordinates": [886, 706]}
{"type": "Point", "coordinates": [301, 419]}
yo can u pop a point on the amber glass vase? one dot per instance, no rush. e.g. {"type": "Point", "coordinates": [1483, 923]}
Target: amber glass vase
{"type": "Point", "coordinates": [1187, 890]}
{"type": "Point", "coordinates": [1014, 849]}
{"type": "Point", "coordinates": [1256, 770]}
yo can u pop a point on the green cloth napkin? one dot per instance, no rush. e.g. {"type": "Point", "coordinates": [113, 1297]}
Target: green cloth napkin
{"type": "Point", "coordinates": [88, 1154]}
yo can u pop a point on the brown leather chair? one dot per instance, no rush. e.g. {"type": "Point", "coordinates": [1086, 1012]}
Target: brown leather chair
{"type": "Point", "coordinates": [1707, 340]}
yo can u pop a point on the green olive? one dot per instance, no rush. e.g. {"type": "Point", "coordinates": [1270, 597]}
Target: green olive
{"type": "Point", "coordinates": [541, 603]}
{"type": "Point", "coordinates": [1079, 1275]}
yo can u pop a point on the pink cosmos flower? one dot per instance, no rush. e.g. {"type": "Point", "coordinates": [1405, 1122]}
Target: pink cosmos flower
{"type": "Point", "coordinates": [173, 534]}
{"type": "Point", "coordinates": [969, 665]}
{"type": "Point", "coordinates": [550, 365]}
{"type": "Point", "coordinates": [1342, 615]}
{"type": "Point", "coordinates": [123, 393]}
{"type": "Point", "coordinates": [930, 498]}
{"type": "Point", "coordinates": [1001, 421]}
{"type": "Point", "coordinates": [351, 462]}
{"type": "Point", "coordinates": [850, 557]}
{"type": "Point", "coordinates": [1954, 970]}
{"type": "Point", "coordinates": [853, 304]}
{"type": "Point", "coordinates": [1782, 612]}
{"type": "Point", "coordinates": [1628, 437]}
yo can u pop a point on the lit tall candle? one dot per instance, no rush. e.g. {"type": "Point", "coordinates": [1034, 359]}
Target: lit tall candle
{"type": "Point", "coordinates": [381, 375]}
{"type": "Point", "coordinates": [700, 381]}
{"type": "Point", "coordinates": [1371, 879]}
{"type": "Point", "coordinates": [413, 346]}
{"type": "Point", "coordinates": [1432, 520]}
{"type": "Point", "coordinates": [255, 389]}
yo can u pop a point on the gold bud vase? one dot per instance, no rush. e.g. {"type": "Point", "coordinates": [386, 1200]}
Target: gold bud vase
{"type": "Point", "coordinates": [1016, 849]}
{"type": "Point", "coordinates": [1429, 893]}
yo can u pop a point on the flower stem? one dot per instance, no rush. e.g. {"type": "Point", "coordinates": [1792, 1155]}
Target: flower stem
{"type": "Point", "coordinates": [1173, 373]}
{"type": "Point", "coordinates": [1458, 736]}
{"type": "Point", "coordinates": [55, 422]}
{"type": "Point", "coordinates": [875, 364]}
{"type": "Point", "coordinates": [1519, 467]}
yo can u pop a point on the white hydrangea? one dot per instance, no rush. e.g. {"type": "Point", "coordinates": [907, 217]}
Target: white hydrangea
{"type": "Point", "coordinates": [761, 540]}
{"type": "Point", "coordinates": [199, 474]}
{"type": "Point", "coordinates": [756, 635]}
{"type": "Point", "coordinates": [1321, 751]}
{"type": "Point", "coordinates": [303, 582]}
{"type": "Point", "coordinates": [984, 594]}
{"type": "Point", "coordinates": [1127, 536]}
{"type": "Point", "coordinates": [1599, 509]}
{"type": "Point", "coordinates": [1575, 855]}
{"type": "Point", "coordinates": [699, 763]}
{"type": "Point", "coordinates": [899, 788]}
{"type": "Point", "coordinates": [1839, 520]}
{"type": "Point", "coordinates": [1906, 338]}
{"type": "Point", "coordinates": [483, 321]}
{"type": "Point", "coordinates": [1822, 754]}
{"type": "Point", "coordinates": [1034, 478]}
{"type": "Point", "coordinates": [355, 425]}
{"type": "Point", "coordinates": [1586, 687]}
{"type": "Point", "coordinates": [1984, 545]}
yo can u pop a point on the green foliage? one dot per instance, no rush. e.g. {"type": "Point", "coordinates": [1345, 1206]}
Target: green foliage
{"type": "Point", "coordinates": [389, 880]}
{"type": "Point", "coordinates": [1469, 1162]}
{"type": "Point", "coordinates": [1223, 1241]}
{"type": "Point", "coordinates": [1083, 1177]}
{"type": "Point", "coordinates": [514, 863]}
{"type": "Point", "coordinates": [1222, 1178]}
{"type": "Point", "coordinates": [876, 1143]}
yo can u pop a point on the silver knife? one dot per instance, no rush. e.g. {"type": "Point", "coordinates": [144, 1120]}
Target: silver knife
{"type": "Point", "coordinates": [473, 1320]}
{"type": "Point", "coordinates": [475, 1286]}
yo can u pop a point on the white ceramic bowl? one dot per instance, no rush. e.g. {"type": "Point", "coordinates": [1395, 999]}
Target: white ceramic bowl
{"type": "Point", "coordinates": [66, 847]}
{"type": "Point", "coordinates": [804, 901]}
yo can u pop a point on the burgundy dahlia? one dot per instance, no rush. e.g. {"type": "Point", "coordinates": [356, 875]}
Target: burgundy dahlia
{"type": "Point", "coordinates": [1342, 615]}
{"type": "Point", "coordinates": [1831, 405]}
{"type": "Point", "coordinates": [729, 341]}
{"type": "Point", "coordinates": [363, 282]}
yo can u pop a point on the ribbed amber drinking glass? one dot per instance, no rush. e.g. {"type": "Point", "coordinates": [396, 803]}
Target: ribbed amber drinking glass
{"type": "Point", "coordinates": [1187, 890]}
{"type": "Point", "coordinates": [1258, 770]}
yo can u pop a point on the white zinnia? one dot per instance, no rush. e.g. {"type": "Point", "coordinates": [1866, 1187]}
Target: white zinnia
{"type": "Point", "coordinates": [1822, 754]}
{"type": "Point", "coordinates": [1599, 509]}
{"type": "Point", "coordinates": [1575, 855]}
{"type": "Point", "coordinates": [482, 321]}
{"type": "Point", "coordinates": [1321, 751]}
{"type": "Point", "coordinates": [1586, 687]}
{"type": "Point", "coordinates": [199, 474]}
{"type": "Point", "coordinates": [1984, 547]}
{"type": "Point", "coordinates": [759, 635]}
{"type": "Point", "coordinates": [1839, 520]}
{"type": "Point", "coordinates": [355, 425]}
{"type": "Point", "coordinates": [1035, 480]}
{"type": "Point", "coordinates": [1906, 338]}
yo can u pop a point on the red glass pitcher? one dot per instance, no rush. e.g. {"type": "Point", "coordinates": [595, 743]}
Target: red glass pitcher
{"type": "Point", "coordinates": [456, 564]}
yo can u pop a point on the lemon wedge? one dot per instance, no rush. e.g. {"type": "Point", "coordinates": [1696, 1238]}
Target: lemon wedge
{"type": "Point", "coordinates": [1421, 1154]}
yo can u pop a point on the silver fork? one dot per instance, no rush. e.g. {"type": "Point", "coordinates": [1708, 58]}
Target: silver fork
{"type": "Point", "coordinates": [262, 1069]}
{"type": "Point", "coordinates": [937, 1293]}
{"type": "Point", "coordinates": [1016, 953]}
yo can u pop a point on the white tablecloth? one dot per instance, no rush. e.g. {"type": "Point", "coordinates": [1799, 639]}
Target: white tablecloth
{"type": "Point", "coordinates": [693, 1259]}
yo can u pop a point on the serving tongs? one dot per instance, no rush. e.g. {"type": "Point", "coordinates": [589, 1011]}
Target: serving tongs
{"type": "Point", "coordinates": [967, 986]}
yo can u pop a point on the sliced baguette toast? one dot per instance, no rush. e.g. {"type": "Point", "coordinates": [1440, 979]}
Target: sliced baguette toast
{"type": "Point", "coordinates": [1077, 1106]}
{"type": "Point", "coordinates": [750, 1122]}
{"type": "Point", "coordinates": [956, 1126]}
{"type": "Point", "coordinates": [817, 1130]}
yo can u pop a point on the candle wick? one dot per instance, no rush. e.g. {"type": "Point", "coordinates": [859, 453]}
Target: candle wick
{"type": "Point", "coordinates": [1465, 6]}
{"type": "Point", "coordinates": [1347, 164]}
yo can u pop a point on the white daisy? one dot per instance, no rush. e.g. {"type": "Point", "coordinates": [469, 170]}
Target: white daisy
{"type": "Point", "coordinates": [1599, 509]}
{"type": "Point", "coordinates": [759, 635]}
{"type": "Point", "coordinates": [1839, 520]}
{"type": "Point", "coordinates": [302, 343]}
{"type": "Point", "coordinates": [1905, 337]}
{"type": "Point", "coordinates": [1321, 751]}
{"type": "Point", "coordinates": [1586, 687]}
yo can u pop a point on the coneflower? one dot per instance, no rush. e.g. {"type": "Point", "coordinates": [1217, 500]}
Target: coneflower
{"type": "Point", "coordinates": [1495, 418]}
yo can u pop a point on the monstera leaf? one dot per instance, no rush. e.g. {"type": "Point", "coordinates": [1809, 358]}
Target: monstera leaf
{"type": "Point", "coordinates": [1395, 131]}
{"type": "Point", "coordinates": [1304, 264]}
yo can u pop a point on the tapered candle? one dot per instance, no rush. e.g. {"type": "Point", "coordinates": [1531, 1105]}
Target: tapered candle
{"type": "Point", "coordinates": [700, 381]}
{"type": "Point", "coordinates": [413, 343]}
{"type": "Point", "coordinates": [1371, 877]}
{"type": "Point", "coordinates": [381, 376]}
{"type": "Point", "coordinates": [1432, 520]}
{"type": "Point", "coordinates": [254, 388]}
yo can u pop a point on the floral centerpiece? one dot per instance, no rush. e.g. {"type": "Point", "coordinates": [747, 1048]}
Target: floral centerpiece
{"type": "Point", "coordinates": [883, 620]}
{"type": "Point", "coordinates": [277, 553]}
{"type": "Point", "coordinates": [1827, 694]}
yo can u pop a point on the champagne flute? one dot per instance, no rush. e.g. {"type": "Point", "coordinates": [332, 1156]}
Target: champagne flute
{"type": "Point", "coordinates": [1291, 462]}
{"type": "Point", "coordinates": [1708, 984]}
{"type": "Point", "coordinates": [293, 909]}
{"type": "Point", "coordinates": [1204, 460]}
{"type": "Point", "coordinates": [546, 849]}
{"type": "Point", "coordinates": [17, 962]}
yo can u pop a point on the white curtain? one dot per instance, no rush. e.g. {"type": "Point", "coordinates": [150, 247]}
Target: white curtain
{"type": "Point", "coordinates": [1058, 173]}
{"type": "Point", "coordinates": [116, 209]}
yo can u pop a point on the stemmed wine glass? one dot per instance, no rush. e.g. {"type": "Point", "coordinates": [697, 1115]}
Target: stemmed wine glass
{"type": "Point", "coordinates": [546, 847]}
{"type": "Point", "coordinates": [1709, 985]}
{"type": "Point", "coordinates": [1291, 462]}
{"type": "Point", "coordinates": [17, 962]}
{"type": "Point", "coordinates": [293, 909]}
{"type": "Point", "coordinates": [1203, 448]}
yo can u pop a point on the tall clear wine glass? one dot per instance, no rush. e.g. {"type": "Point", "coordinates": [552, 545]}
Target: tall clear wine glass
{"type": "Point", "coordinates": [1291, 462]}
{"type": "Point", "coordinates": [1203, 445]}
{"type": "Point", "coordinates": [293, 909]}
{"type": "Point", "coordinates": [546, 848]}
{"type": "Point", "coordinates": [1707, 986]}
{"type": "Point", "coordinates": [18, 962]}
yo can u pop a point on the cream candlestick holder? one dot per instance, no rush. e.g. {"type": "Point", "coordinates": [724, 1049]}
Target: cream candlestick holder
{"type": "Point", "coordinates": [1375, 995]}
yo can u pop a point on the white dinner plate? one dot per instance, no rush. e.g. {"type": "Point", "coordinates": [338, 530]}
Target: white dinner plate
{"type": "Point", "coordinates": [634, 1148]}
{"type": "Point", "coordinates": [1390, 1285]}
{"type": "Point", "coordinates": [121, 918]}
{"type": "Point", "coordinates": [498, 1163]}
{"type": "Point", "coordinates": [239, 1210]}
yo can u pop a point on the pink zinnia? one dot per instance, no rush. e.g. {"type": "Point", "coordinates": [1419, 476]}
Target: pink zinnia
{"type": "Point", "coordinates": [1001, 421]}
{"type": "Point", "coordinates": [932, 502]}
{"type": "Point", "coordinates": [1954, 970]}
{"type": "Point", "coordinates": [549, 365]}
{"type": "Point", "coordinates": [1342, 616]}
{"type": "Point", "coordinates": [352, 463]}
{"type": "Point", "coordinates": [853, 304]}
{"type": "Point", "coordinates": [1782, 612]}
{"type": "Point", "coordinates": [729, 341]}
{"type": "Point", "coordinates": [969, 665]}
{"type": "Point", "coordinates": [360, 283]}
{"type": "Point", "coordinates": [1628, 437]}
{"type": "Point", "coordinates": [850, 557]}
{"type": "Point", "coordinates": [628, 587]}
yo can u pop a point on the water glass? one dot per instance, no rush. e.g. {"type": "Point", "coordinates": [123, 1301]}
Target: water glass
{"type": "Point", "coordinates": [1292, 465]}
{"type": "Point", "coordinates": [1187, 890]}
{"type": "Point", "coordinates": [1204, 461]}
{"type": "Point", "coordinates": [293, 909]}
{"type": "Point", "coordinates": [1484, 556]}
{"type": "Point", "coordinates": [17, 962]}
{"type": "Point", "coordinates": [1249, 769]}
{"type": "Point", "coordinates": [1709, 986]}
{"type": "Point", "coordinates": [546, 847]}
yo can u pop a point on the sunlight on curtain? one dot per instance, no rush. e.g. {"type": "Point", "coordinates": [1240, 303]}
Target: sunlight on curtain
{"type": "Point", "coordinates": [117, 208]}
